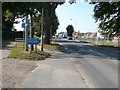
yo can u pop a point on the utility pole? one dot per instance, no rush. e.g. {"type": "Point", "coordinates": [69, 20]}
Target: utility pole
{"type": "Point", "coordinates": [26, 34]}
{"type": "Point", "coordinates": [42, 24]}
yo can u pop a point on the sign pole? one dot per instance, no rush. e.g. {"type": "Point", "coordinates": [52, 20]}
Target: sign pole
{"type": "Point", "coordinates": [26, 34]}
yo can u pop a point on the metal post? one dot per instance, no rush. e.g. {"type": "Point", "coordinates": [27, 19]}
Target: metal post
{"type": "Point", "coordinates": [26, 34]}
{"type": "Point", "coordinates": [42, 29]}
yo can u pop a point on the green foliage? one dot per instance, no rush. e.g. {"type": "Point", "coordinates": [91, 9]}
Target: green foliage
{"type": "Point", "coordinates": [70, 30]}
{"type": "Point", "coordinates": [8, 15]}
{"type": "Point", "coordinates": [37, 25]}
{"type": "Point", "coordinates": [20, 9]}
{"type": "Point", "coordinates": [54, 24]}
{"type": "Point", "coordinates": [108, 13]}
{"type": "Point", "coordinates": [19, 53]}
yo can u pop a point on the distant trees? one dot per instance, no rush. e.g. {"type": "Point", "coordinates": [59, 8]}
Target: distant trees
{"type": "Point", "coordinates": [70, 30]}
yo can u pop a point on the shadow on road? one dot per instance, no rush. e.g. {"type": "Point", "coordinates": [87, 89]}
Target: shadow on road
{"type": "Point", "coordinates": [79, 51]}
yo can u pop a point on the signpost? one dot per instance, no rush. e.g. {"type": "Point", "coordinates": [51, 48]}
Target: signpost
{"type": "Point", "coordinates": [33, 41]}
{"type": "Point", "coordinates": [24, 25]}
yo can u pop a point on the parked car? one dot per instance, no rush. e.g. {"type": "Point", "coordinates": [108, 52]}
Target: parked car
{"type": "Point", "coordinates": [69, 38]}
{"type": "Point", "coordinates": [65, 37]}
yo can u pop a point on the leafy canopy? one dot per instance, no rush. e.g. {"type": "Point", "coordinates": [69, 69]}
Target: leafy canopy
{"type": "Point", "coordinates": [108, 14]}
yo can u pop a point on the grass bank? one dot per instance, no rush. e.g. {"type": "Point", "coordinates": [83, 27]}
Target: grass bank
{"type": "Point", "coordinates": [19, 53]}
{"type": "Point", "coordinates": [54, 47]}
{"type": "Point", "coordinates": [106, 44]}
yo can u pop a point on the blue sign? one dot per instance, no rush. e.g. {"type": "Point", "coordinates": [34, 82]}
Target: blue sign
{"type": "Point", "coordinates": [23, 25]}
{"type": "Point", "coordinates": [33, 40]}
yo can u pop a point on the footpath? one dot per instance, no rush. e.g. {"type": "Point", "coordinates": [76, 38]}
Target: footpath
{"type": "Point", "coordinates": [57, 71]}
{"type": "Point", "coordinates": [4, 52]}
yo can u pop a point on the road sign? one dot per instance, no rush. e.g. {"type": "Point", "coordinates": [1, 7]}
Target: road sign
{"type": "Point", "coordinates": [33, 40]}
{"type": "Point", "coordinates": [24, 25]}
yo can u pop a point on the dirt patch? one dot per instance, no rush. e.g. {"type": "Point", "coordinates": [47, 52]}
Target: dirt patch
{"type": "Point", "coordinates": [15, 70]}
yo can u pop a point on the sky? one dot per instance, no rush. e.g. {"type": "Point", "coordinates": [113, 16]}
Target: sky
{"type": "Point", "coordinates": [81, 15]}
{"type": "Point", "coordinates": [78, 14]}
{"type": "Point", "coordinates": [18, 26]}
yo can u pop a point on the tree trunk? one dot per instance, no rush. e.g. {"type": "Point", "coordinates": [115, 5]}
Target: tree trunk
{"type": "Point", "coordinates": [47, 27]}
{"type": "Point", "coordinates": [31, 31]}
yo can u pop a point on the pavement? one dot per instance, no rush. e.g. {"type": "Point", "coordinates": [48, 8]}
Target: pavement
{"type": "Point", "coordinates": [4, 52]}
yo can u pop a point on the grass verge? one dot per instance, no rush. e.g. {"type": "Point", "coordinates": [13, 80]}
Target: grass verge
{"type": "Point", "coordinates": [102, 44]}
{"type": "Point", "coordinates": [54, 47]}
{"type": "Point", "coordinates": [19, 53]}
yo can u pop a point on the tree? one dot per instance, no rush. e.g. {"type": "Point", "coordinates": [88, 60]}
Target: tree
{"type": "Point", "coordinates": [12, 10]}
{"type": "Point", "coordinates": [54, 24]}
{"type": "Point", "coordinates": [108, 14]}
{"type": "Point", "coordinates": [26, 8]}
{"type": "Point", "coordinates": [36, 25]}
{"type": "Point", "coordinates": [49, 9]}
{"type": "Point", "coordinates": [70, 30]}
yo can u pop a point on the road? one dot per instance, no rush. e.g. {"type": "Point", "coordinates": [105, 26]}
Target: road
{"type": "Point", "coordinates": [98, 66]}
{"type": "Point", "coordinates": [82, 65]}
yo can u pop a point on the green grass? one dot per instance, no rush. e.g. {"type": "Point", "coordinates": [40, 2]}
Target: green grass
{"type": "Point", "coordinates": [19, 53]}
{"type": "Point", "coordinates": [53, 47]}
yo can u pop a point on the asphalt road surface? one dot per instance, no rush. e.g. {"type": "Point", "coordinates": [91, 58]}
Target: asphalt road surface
{"type": "Point", "coordinates": [97, 65]}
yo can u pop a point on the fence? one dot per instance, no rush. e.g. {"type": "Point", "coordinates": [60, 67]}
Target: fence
{"type": "Point", "coordinates": [19, 40]}
{"type": "Point", "coordinates": [102, 42]}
